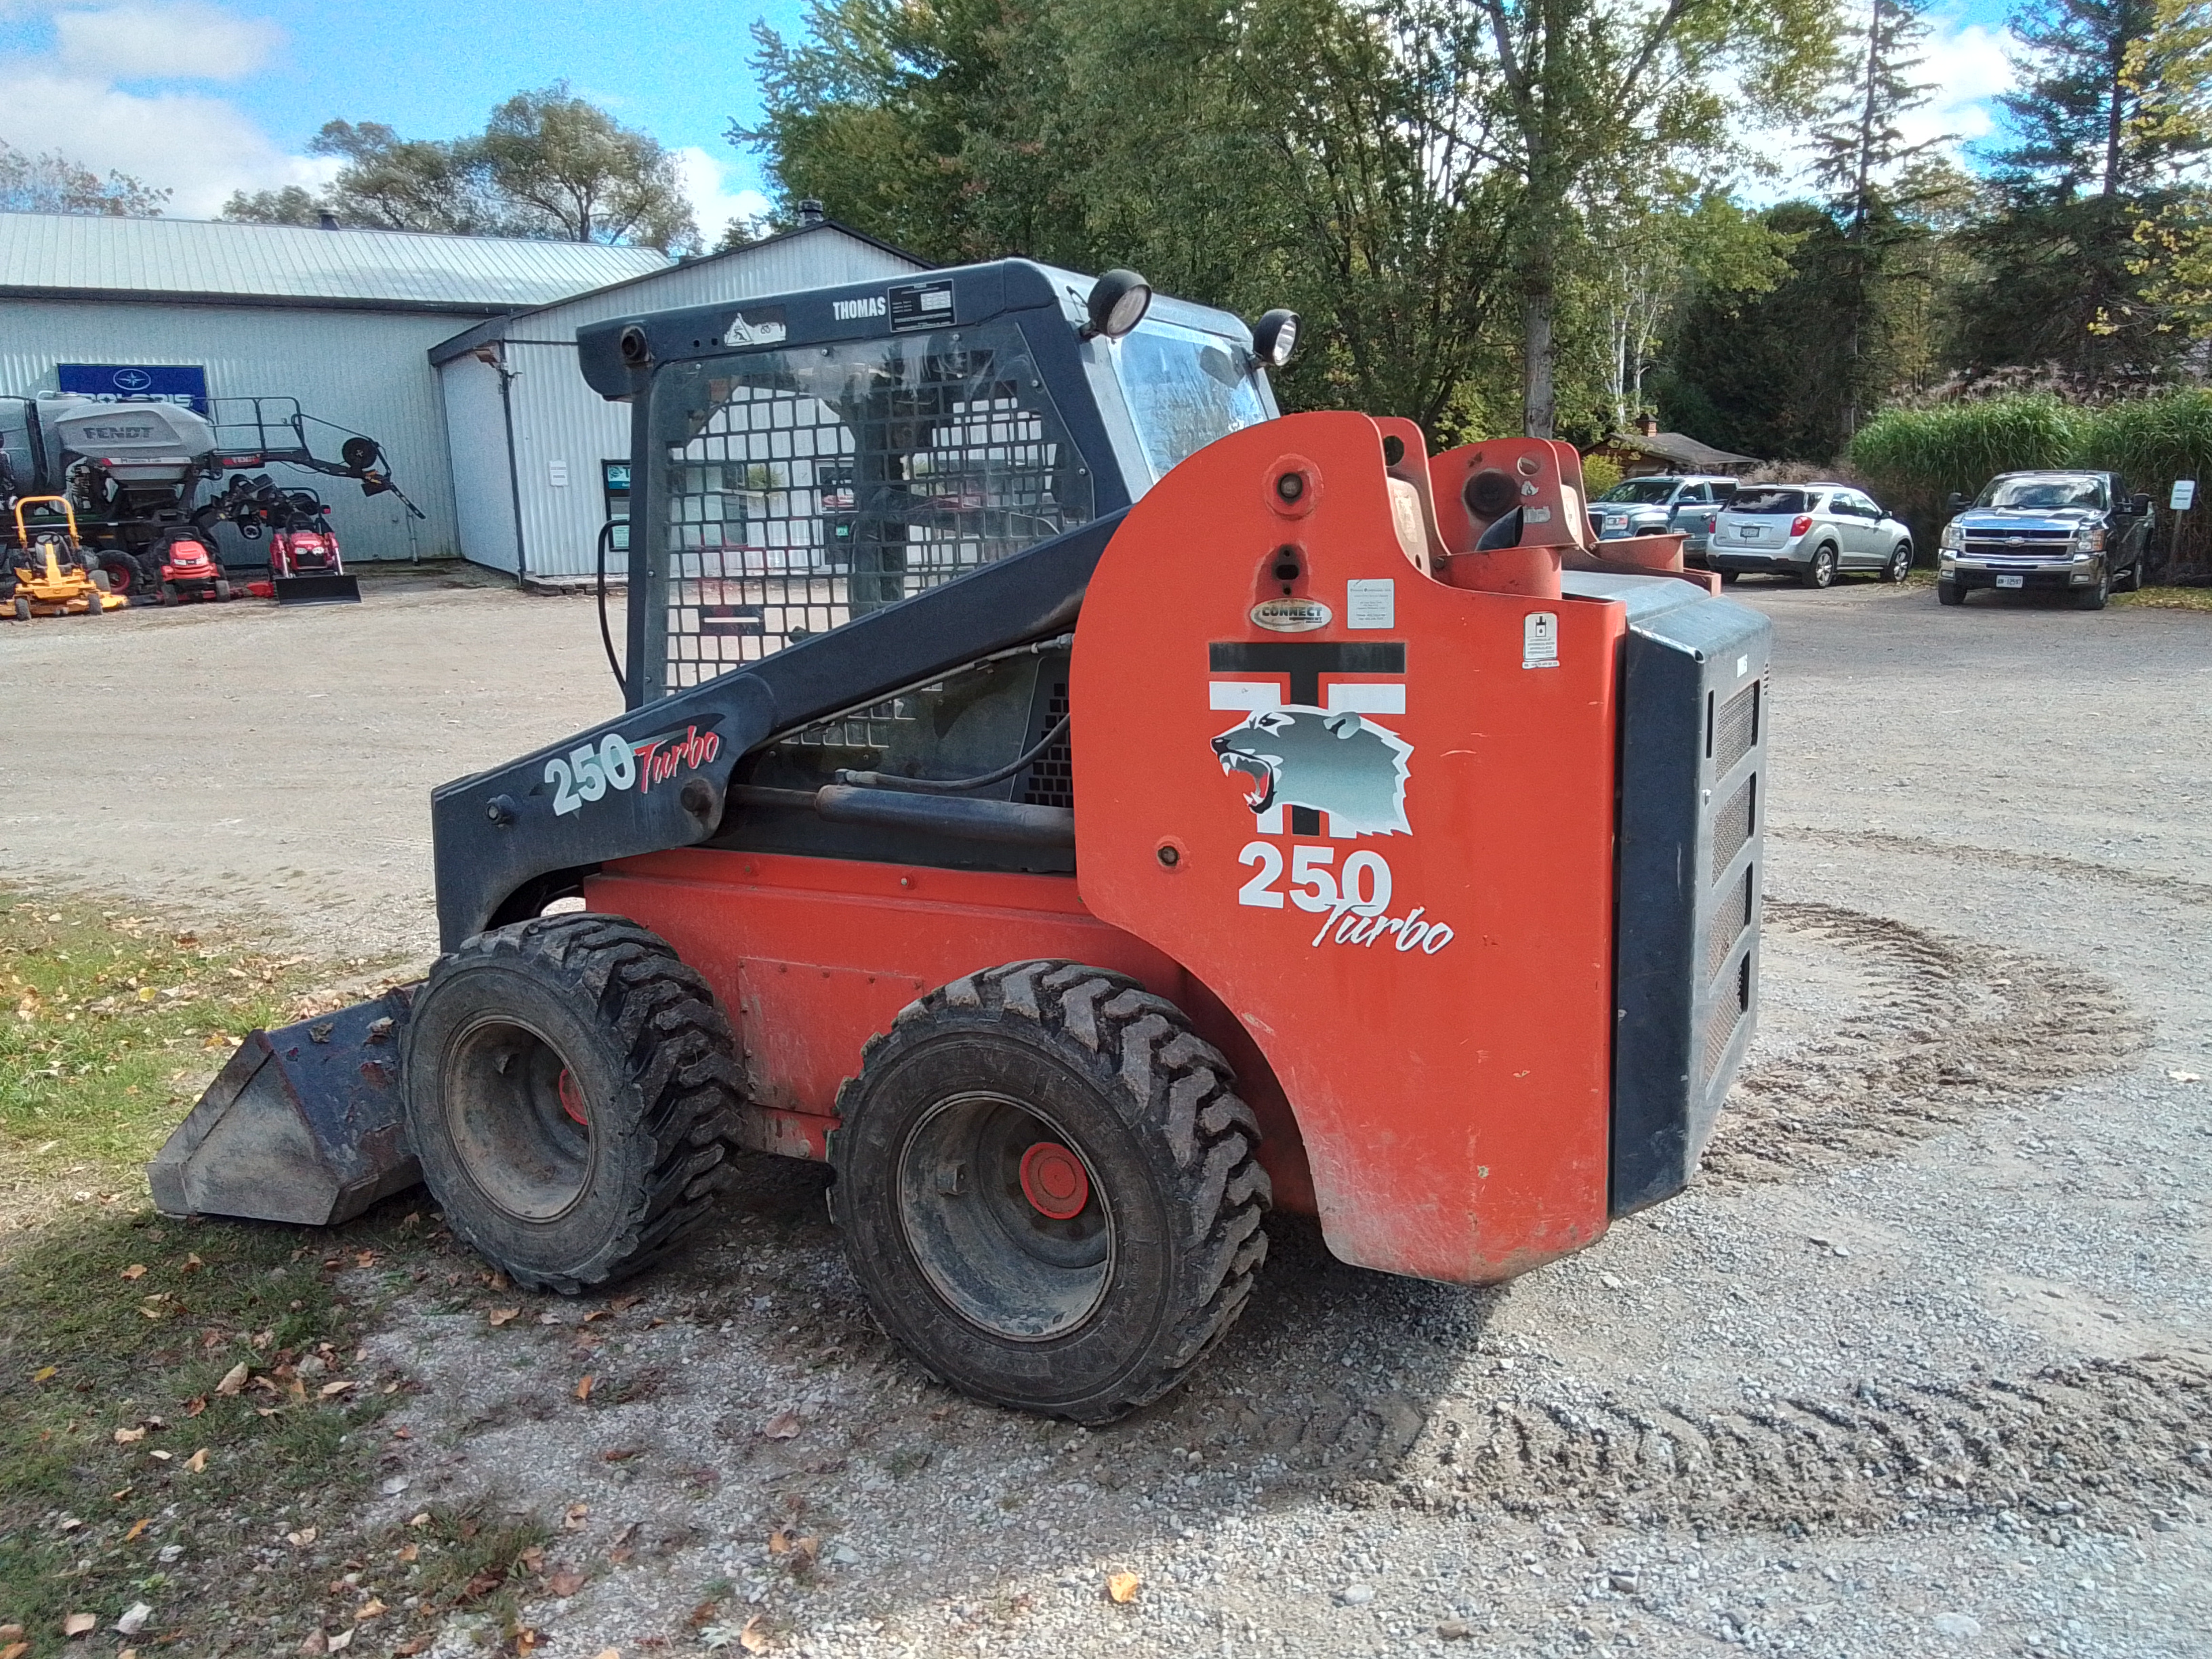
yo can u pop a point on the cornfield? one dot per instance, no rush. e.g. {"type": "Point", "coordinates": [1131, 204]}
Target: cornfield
{"type": "Point", "coordinates": [1918, 457]}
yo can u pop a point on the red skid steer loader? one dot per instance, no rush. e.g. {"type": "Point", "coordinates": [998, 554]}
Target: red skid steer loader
{"type": "Point", "coordinates": [1085, 808]}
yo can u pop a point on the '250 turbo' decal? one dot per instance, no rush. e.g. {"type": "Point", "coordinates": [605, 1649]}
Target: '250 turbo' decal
{"type": "Point", "coordinates": [589, 771]}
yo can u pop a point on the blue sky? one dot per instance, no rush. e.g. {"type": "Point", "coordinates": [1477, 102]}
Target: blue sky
{"type": "Point", "coordinates": [206, 96]}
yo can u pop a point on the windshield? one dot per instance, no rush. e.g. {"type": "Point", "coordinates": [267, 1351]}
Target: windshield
{"type": "Point", "coordinates": [1641, 489]}
{"type": "Point", "coordinates": [1768, 501]}
{"type": "Point", "coordinates": [1185, 389]}
{"type": "Point", "coordinates": [2045, 492]}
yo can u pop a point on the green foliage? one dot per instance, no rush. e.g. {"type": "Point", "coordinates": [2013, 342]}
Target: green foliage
{"type": "Point", "coordinates": [1929, 452]}
{"type": "Point", "coordinates": [548, 164]}
{"type": "Point", "coordinates": [53, 184]}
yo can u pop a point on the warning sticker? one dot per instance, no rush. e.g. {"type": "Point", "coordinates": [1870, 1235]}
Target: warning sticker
{"type": "Point", "coordinates": [1370, 603]}
{"type": "Point", "coordinates": [1540, 639]}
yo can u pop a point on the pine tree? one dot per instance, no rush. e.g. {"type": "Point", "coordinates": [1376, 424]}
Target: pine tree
{"type": "Point", "coordinates": [2110, 117]}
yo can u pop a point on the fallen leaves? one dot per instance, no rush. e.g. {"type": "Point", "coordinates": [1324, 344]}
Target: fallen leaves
{"type": "Point", "coordinates": [372, 1608]}
{"type": "Point", "coordinates": [134, 1619]}
{"type": "Point", "coordinates": [15, 1650]}
{"type": "Point", "coordinates": [197, 1461]}
{"type": "Point", "coordinates": [340, 1642]}
{"type": "Point", "coordinates": [301, 1538]}
{"type": "Point", "coordinates": [45, 1373]}
{"type": "Point", "coordinates": [565, 1583]}
{"type": "Point", "coordinates": [235, 1379]}
{"type": "Point", "coordinates": [573, 1520]}
{"type": "Point", "coordinates": [137, 1530]}
{"type": "Point", "coordinates": [785, 1540]}
{"type": "Point", "coordinates": [784, 1425]}
{"type": "Point", "coordinates": [502, 1316]}
{"type": "Point", "coordinates": [583, 1388]}
{"type": "Point", "coordinates": [1121, 1587]}
{"type": "Point", "coordinates": [79, 1623]}
{"type": "Point", "coordinates": [137, 1270]}
{"type": "Point", "coordinates": [331, 1390]}
{"type": "Point", "coordinates": [129, 1436]}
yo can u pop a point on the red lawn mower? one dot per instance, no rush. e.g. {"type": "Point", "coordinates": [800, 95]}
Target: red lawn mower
{"type": "Point", "coordinates": [305, 565]}
{"type": "Point", "coordinates": [188, 569]}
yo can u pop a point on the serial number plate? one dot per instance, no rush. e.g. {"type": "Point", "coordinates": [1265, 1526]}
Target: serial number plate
{"type": "Point", "coordinates": [2012, 581]}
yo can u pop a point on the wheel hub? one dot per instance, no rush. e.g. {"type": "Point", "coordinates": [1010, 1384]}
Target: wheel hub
{"type": "Point", "coordinates": [1054, 1181]}
{"type": "Point", "coordinates": [572, 1097]}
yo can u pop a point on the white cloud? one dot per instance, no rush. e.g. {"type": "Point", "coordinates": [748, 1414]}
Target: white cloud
{"type": "Point", "coordinates": [716, 196]}
{"type": "Point", "coordinates": [198, 147]}
{"type": "Point", "coordinates": [182, 40]}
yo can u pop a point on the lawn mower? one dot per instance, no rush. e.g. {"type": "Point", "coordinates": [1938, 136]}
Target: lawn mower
{"type": "Point", "coordinates": [1085, 808]}
{"type": "Point", "coordinates": [48, 571]}
{"type": "Point", "coordinates": [305, 566]}
{"type": "Point", "coordinates": [186, 567]}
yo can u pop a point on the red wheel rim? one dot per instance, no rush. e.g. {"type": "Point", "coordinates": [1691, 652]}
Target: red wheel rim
{"type": "Point", "coordinates": [1054, 1181]}
{"type": "Point", "coordinates": [572, 1097]}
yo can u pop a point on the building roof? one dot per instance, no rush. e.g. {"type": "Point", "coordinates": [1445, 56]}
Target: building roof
{"type": "Point", "coordinates": [1678, 449]}
{"type": "Point", "coordinates": [60, 256]}
{"type": "Point", "coordinates": [519, 323]}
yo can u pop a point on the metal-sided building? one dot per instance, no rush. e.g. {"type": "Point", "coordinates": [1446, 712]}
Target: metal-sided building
{"type": "Point", "coordinates": [384, 332]}
{"type": "Point", "coordinates": [338, 319]}
{"type": "Point", "coordinates": [518, 410]}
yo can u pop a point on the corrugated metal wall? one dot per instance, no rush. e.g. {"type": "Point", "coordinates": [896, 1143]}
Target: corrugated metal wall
{"type": "Point", "coordinates": [365, 370]}
{"type": "Point", "coordinates": [562, 429]}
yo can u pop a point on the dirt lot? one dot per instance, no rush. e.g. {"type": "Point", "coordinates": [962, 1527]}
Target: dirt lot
{"type": "Point", "coordinates": [1923, 1364]}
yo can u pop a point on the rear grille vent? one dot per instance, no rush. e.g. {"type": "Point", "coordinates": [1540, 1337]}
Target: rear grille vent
{"type": "Point", "coordinates": [1719, 1029]}
{"type": "Point", "coordinates": [1051, 777]}
{"type": "Point", "coordinates": [1737, 730]}
{"type": "Point", "coordinates": [1730, 918]}
{"type": "Point", "coordinates": [1732, 824]}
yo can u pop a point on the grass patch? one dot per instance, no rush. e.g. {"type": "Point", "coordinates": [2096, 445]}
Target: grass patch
{"type": "Point", "coordinates": [128, 1474]}
{"type": "Point", "coordinates": [112, 1025]}
{"type": "Point", "coordinates": [2168, 598]}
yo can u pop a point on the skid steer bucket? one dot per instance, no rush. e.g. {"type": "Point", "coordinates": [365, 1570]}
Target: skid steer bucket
{"type": "Point", "coordinates": [317, 589]}
{"type": "Point", "coordinates": [303, 1125]}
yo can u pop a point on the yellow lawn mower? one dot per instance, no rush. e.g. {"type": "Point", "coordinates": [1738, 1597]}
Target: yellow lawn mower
{"type": "Point", "coordinates": [49, 573]}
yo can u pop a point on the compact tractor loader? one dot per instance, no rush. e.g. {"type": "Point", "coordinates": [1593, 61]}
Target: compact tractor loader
{"type": "Point", "coordinates": [1084, 808]}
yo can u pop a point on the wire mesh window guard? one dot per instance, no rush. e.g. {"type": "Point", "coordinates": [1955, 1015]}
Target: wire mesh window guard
{"type": "Point", "coordinates": [802, 487]}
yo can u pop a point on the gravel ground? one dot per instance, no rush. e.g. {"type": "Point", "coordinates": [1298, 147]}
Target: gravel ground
{"type": "Point", "coordinates": [1922, 1366]}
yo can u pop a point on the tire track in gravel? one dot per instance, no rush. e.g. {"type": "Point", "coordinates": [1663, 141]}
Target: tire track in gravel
{"type": "Point", "coordinates": [1960, 1027]}
{"type": "Point", "coordinates": [2096, 1441]}
{"type": "Point", "coordinates": [2177, 888]}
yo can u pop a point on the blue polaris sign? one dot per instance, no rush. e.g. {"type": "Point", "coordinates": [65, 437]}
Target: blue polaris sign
{"type": "Point", "coordinates": [133, 383]}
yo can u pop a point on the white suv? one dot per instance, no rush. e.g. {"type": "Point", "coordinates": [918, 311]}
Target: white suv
{"type": "Point", "coordinates": [1813, 532]}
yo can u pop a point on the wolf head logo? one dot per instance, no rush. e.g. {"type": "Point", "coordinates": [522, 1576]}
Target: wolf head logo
{"type": "Point", "coordinates": [1340, 764]}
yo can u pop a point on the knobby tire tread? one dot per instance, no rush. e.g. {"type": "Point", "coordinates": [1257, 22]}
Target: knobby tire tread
{"type": "Point", "coordinates": [679, 1055]}
{"type": "Point", "coordinates": [1140, 1050]}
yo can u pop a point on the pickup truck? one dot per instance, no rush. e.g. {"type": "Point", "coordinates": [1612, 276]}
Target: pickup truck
{"type": "Point", "coordinates": [1654, 505]}
{"type": "Point", "coordinates": [2067, 532]}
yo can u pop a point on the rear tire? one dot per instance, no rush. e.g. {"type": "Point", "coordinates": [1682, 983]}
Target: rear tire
{"type": "Point", "coordinates": [1821, 573]}
{"type": "Point", "coordinates": [571, 1092]}
{"type": "Point", "coordinates": [1129, 1120]}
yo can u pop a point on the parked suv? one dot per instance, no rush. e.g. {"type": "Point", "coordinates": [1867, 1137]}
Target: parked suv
{"type": "Point", "coordinates": [1813, 532]}
{"type": "Point", "coordinates": [1654, 505]}
{"type": "Point", "coordinates": [2077, 532]}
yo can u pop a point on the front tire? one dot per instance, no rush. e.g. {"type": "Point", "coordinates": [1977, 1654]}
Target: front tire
{"type": "Point", "coordinates": [1821, 573]}
{"type": "Point", "coordinates": [1048, 1188]}
{"type": "Point", "coordinates": [2093, 599]}
{"type": "Point", "coordinates": [1950, 593]}
{"type": "Point", "coordinates": [1900, 562]}
{"type": "Point", "coordinates": [571, 1093]}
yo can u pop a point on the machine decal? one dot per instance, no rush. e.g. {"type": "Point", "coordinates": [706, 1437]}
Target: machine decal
{"type": "Point", "coordinates": [1370, 603]}
{"type": "Point", "coordinates": [762, 326]}
{"type": "Point", "coordinates": [1290, 616]}
{"type": "Point", "coordinates": [1540, 639]}
{"type": "Point", "coordinates": [1336, 762]}
{"type": "Point", "coordinates": [920, 305]}
{"type": "Point", "coordinates": [1353, 901]}
{"type": "Point", "coordinates": [591, 772]}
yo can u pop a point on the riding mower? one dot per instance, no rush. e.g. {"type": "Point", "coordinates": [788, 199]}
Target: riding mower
{"type": "Point", "coordinates": [184, 558]}
{"type": "Point", "coordinates": [49, 573]}
{"type": "Point", "coordinates": [1144, 810]}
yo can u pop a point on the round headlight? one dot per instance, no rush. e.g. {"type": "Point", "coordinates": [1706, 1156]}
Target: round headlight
{"type": "Point", "coordinates": [1119, 299]}
{"type": "Point", "coordinates": [1275, 336]}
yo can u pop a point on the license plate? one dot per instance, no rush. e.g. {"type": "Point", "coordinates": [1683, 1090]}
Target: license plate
{"type": "Point", "coordinates": [2012, 581]}
{"type": "Point", "coordinates": [1749, 532]}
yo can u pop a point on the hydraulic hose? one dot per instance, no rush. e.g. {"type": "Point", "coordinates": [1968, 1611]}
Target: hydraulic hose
{"type": "Point", "coordinates": [955, 785]}
{"type": "Point", "coordinates": [607, 635]}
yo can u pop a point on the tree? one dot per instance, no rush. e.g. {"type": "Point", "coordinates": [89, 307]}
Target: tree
{"type": "Point", "coordinates": [53, 183]}
{"type": "Point", "coordinates": [1297, 152]}
{"type": "Point", "coordinates": [2113, 113]}
{"type": "Point", "coordinates": [1589, 87]}
{"type": "Point", "coordinates": [548, 165]}
{"type": "Point", "coordinates": [562, 163]}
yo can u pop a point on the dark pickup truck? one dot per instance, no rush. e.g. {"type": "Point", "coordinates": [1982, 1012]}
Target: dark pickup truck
{"type": "Point", "coordinates": [2076, 533]}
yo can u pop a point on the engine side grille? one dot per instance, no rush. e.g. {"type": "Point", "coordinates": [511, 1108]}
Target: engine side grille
{"type": "Point", "coordinates": [1732, 824]}
{"type": "Point", "coordinates": [1051, 778]}
{"type": "Point", "coordinates": [1735, 729]}
{"type": "Point", "coordinates": [1728, 1009]}
{"type": "Point", "coordinates": [1730, 917]}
